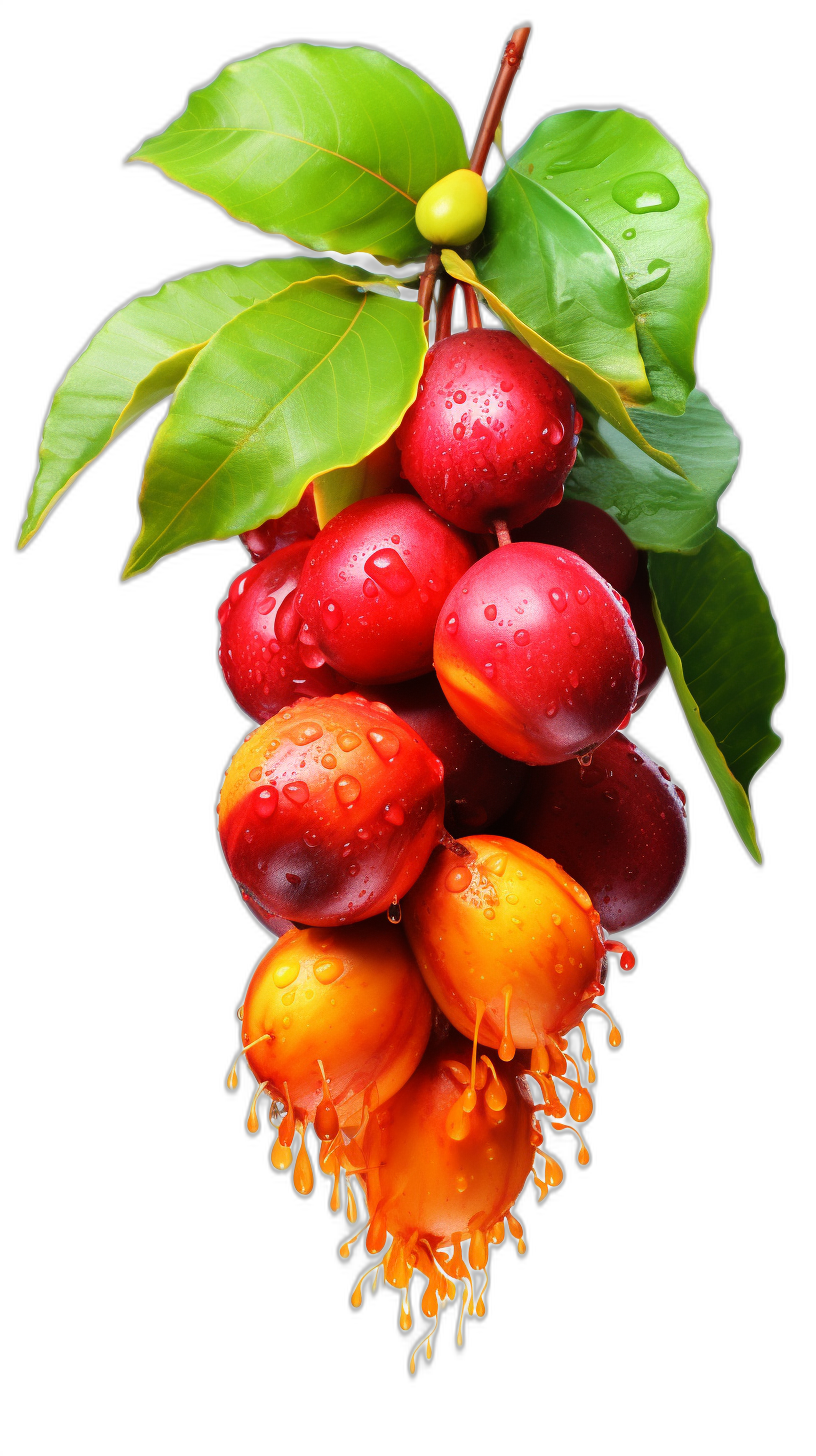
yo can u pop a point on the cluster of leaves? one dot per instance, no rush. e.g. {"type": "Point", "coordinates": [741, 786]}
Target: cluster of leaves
{"type": "Point", "coordinates": [595, 252]}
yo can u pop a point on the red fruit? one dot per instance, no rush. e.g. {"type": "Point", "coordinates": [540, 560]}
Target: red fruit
{"type": "Point", "coordinates": [299, 524]}
{"type": "Point", "coordinates": [618, 826]}
{"type": "Point", "coordinates": [593, 535]}
{"type": "Point", "coordinates": [492, 432]}
{"type": "Point", "coordinates": [639, 595]}
{"type": "Point", "coordinates": [260, 655]}
{"type": "Point", "coordinates": [330, 810]}
{"type": "Point", "coordinates": [372, 586]}
{"type": "Point", "coordinates": [536, 653]}
{"type": "Point", "coordinates": [480, 785]}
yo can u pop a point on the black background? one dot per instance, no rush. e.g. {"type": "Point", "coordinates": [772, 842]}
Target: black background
{"type": "Point", "coordinates": [162, 1219]}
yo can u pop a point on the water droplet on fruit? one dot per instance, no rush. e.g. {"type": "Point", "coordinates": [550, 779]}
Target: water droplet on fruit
{"type": "Point", "coordinates": [331, 614]}
{"type": "Point", "coordinates": [369, 587]}
{"type": "Point", "coordinates": [255, 774]}
{"type": "Point", "coordinates": [457, 880]}
{"type": "Point", "coordinates": [583, 594]}
{"type": "Point", "coordinates": [347, 790]}
{"type": "Point", "coordinates": [348, 741]}
{"type": "Point", "coordinates": [490, 613]}
{"type": "Point", "coordinates": [506, 386]}
{"type": "Point", "coordinates": [285, 975]}
{"type": "Point", "coordinates": [645, 192]}
{"type": "Point", "coordinates": [328, 970]}
{"type": "Point", "coordinates": [389, 570]}
{"type": "Point", "coordinates": [266, 606]}
{"type": "Point", "coordinates": [452, 624]}
{"type": "Point", "coordinates": [298, 792]}
{"type": "Point", "coordinates": [521, 638]}
{"type": "Point", "coordinates": [551, 710]}
{"type": "Point", "coordinates": [558, 598]}
{"type": "Point", "coordinates": [394, 814]}
{"type": "Point", "coordinates": [573, 678]}
{"type": "Point", "coordinates": [307, 733]}
{"type": "Point", "coordinates": [266, 802]}
{"type": "Point", "coordinates": [386, 744]}
{"type": "Point", "coordinates": [328, 760]}
{"type": "Point", "coordinates": [459, 431]}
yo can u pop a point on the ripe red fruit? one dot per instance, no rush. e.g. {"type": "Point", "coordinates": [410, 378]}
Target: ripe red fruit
{"type": "Point", "coordinates": [592, 534]}
{"type": "Point", "coordinates": [639, 595]}
{"type": "Point", "coordinates": [260, 655]}
{"type": "Point", "coordinates": [372, 586]}
{"type": "Point", "coordinates": [299, 524]}
{"type": "Point", "coordinates": [492, 432]}
{"type": "Point", "coordinates": [618, 825]}
{"type": "Point", "coordinates": [330, 810]}
{"type": "Point", "coordinates": [480, 785]}
{"type": "Point", "coordinates": [536, 653]}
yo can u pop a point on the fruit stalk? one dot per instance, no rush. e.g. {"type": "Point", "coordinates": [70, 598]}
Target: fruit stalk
{"type": "Point", "coordinates": [511, 60]}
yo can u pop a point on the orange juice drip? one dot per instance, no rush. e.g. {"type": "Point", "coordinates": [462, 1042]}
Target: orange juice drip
{"type": "Point", "coordinates": [614, 1031]}
{"type": "Point", "coordinates": [495, 1096]}
{"type": "Point", "coordinates": [252, 1120]}
{"type": "Point", "coordinates": [303, 1176]}
{"type": "Point", "coordinates": [517, 1231]}
{"type": "Point", "coordinates": [405, 1318]}
{"type": "Point", "coordinates": [583, 1154]}
{"type": "Point", "coordinates": [280, 1156]}
{"type": "Point", "coordinates": [586, 1054]}
{"type": "Point", "coordinates": [426, 1341]}
{"type": "Point", "coordinates": [351, 1204]}
{"type": "Point", "coordinates": [480, 1304]}
{"type": "Point", "coordinates": [286, 1131]}
{"type": "Point", "coordinates": [345, 1249]}
{"type": "Point", "coordinates": [507, 1049]}
{"type": "Point", "coordinates": [480, 1008]}
{"type": "Point", "coordinates": [542, 1187]}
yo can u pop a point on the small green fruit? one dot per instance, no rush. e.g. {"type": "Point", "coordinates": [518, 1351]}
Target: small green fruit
{"type": "Point", "coordinates": [453, 211]}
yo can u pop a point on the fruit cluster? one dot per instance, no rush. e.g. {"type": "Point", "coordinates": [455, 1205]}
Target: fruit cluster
{"type": "Point", "coordinates": [415, 680]}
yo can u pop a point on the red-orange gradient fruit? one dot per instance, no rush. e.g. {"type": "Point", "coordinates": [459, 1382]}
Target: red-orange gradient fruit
{"type": "Point", "coordinates": [508, 943]}
{"type": "Point", "coordinates": [437, 1175]}
{"type": "Point", "coordinates": [330, 810]}
{"type": "Point", "coordinates": [333, 1016]}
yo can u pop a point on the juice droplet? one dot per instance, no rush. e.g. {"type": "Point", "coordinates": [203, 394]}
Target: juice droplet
{"type": "Point", "coordinates": [553, 1172]}
{"type": "Point", "coordinates": [347, 790]}
{"type": "Point", "coordinates": [394, 814]}
{"type": "Point", "coordinates": [348, 741]}
{"type": "Point", "coordinates": [507, 1049]}
{"type": "Point", "coordinates": [298, 792]}
{"type": "Point", "coordinates": [386, 744]}
{"type": "Point", "coordinates": [303, 1176]}
{"type": "Point", "coordinates": [280, 1156]}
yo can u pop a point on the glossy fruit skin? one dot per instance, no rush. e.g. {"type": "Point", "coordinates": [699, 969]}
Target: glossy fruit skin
{"type": "Point", "coordinates": [492, 432]}
{"type": "Point", "coordinates": [480, 785]}
{"type": "Point", "coordinates": [639, 597]}
{"type": "Point", "coordinates": [508, 919]}
{"type": "Point", "coordinates": [415, 1167]}
{"type": "Point", "coordinates": [299, 524]}
{"type": "Point", "coordinates": [453, 211]}
{"type": "Point", "coordinates": [618, 825]}
{"type": "Point", "coordinates": [321, 827]}
{"type": "Point", "coordinates": [351, 997]}
{"type": "Point", "coordinates": [372, 586]}
{"type": "Point", "coordinates": [536, 653]}
{"type": "Point", "coordinates": [591, 534]}
{"type": "Point", "coordinates": [260, 655]}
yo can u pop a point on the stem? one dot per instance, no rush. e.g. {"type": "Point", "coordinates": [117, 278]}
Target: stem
{"type": "Point", "coordinates": [430, 273]}
{"type": "Point", "coordinates": [474, 318]}
{"type": "Point", "coordinates": [502, 533]}
{"type": "Point", "coordinates": [511, 60]}
{"type": "Point", "coordinates": [444, 307]}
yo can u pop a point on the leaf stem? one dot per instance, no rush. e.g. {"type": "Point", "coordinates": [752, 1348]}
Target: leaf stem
{"type": "Point", "coordinates": [511, 60]}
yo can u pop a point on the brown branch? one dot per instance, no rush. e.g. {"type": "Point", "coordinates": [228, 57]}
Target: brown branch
{"type": "Point", "coordinates": [508, 69]}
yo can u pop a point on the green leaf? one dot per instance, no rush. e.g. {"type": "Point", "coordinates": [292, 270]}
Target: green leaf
{"type": "Point", "coordinates": [560, 277]}
{"type": "Point", "coordinates": [601, 394]}
{"type": "Point", "coordinates": [724, 654]}
{"type": "Point", "coordinates": [617, 173]}
{"type": "Point", "coordinates": [139, 357]}
{"type": "Point", "coordinates": [369, 477]}
{"type": "Point", "coordinates": [331, 146]}
{"type": "Point", "coordinates": [658, 511]}
{"type": "Point", "coordinates": [312, 379]}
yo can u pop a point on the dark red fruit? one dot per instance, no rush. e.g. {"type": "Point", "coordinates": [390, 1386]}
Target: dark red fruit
{"type": "Point", "coordinates": [372, 586]}
{"type": "Point", "coordinates": [260, 655]}
{"type": "Point", "coordinates": [492, 432]}
{"type": "Point", "coordinates": [618, 825]}
{"type": "Point", "coordinates": [480, 785]}
{"type": "Point", "coordinates": [536, 653]}
{"type": "Point", "coordinates": [639, 595]}
{"type": "Point", "coordinates": [592, 534]}
{"type": "Point", "coordinates": [299, 524]}
{"type": "Point", "coordinates": [329, 811]}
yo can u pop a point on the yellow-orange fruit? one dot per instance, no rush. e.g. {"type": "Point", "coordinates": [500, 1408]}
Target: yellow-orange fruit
{"type": "Point", "coordinates": [350, 999]}
{"type": "Point", "coordinates": [435, 1173]}
{"type": "Point", "coordinates": [507, 940]}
